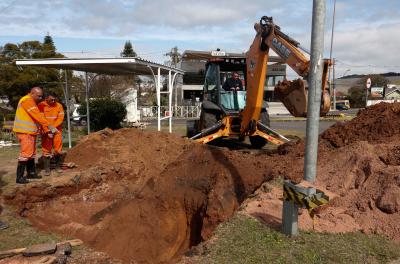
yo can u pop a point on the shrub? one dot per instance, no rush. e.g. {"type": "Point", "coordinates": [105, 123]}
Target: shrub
{"type": "Point", "coordinates": [1, 120]}
{"type": "Point", "coordinates": [104, 113]}
{"type": "Point", "coordinates": [10, 117]}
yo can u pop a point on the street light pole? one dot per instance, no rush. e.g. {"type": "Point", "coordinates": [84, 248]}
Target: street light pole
{"type": "Point", "coordinates": [314, 91]}
{"type": "Point", "coordinates": [87, 103]}
{"type": "Point", "coordinates": [332, 83]}
{"type": "Point", "coordinates": [290, 206]}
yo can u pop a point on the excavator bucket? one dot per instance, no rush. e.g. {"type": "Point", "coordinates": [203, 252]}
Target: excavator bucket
{"type": "Point", "coordinates": [293, 94]}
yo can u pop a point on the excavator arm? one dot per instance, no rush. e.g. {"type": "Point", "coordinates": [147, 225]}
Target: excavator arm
{"type": "Point", "coordinates": [293, 94]}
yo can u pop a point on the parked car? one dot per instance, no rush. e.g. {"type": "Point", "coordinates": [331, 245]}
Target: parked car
{"type": "Point", "coordinates": [77, 118]}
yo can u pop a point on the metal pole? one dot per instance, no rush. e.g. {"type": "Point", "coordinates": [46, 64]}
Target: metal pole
{"type": "Point", "coordinates": [290, 208]}
{"type": "Point", "coordinates": [87, 103]}
{"type": "Point", "coordinates": [332, 86]}
{"type": "Point", "coordinates": [314, 90]}
{"type": "Point", "coordinates": [158, 88]}
{"type": "Point", "coordinates": [66, 94]}
{"type": "Point", "coordinates": [170, 100]}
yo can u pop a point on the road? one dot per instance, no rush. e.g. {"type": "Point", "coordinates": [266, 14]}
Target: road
{"type": "Point", "coordinates": [298, 126]}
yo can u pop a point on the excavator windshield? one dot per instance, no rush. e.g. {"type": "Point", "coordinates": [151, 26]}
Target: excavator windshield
{"type": "Point", "coordinates": [235, 100]}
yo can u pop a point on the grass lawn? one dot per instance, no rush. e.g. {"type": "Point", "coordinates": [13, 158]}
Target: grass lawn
{"type": "Point", "coordinates": [20, 233]}
{"type": "Point", "coordinates": [246, 240]}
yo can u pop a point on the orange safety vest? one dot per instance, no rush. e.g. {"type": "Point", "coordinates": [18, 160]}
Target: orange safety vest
{"type": "Point", "coordinates": [28, 118]}
{"type": "Point", "coordinates": [53, 113]}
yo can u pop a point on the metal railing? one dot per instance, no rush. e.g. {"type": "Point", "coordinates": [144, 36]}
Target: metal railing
{"type": "Point", "coordinates": [150, 112]}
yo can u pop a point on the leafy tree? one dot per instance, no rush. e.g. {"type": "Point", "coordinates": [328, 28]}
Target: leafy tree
{"type": "Point", "coordinates": [104, 113]}
{"type": "Point", "coordinates": [128, 50]}
{"type": "Point", "coordinates": [15, 81]}
{"type": "Point", "coordinates": [357, 93]}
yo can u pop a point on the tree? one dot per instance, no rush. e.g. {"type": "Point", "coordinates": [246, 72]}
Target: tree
{"type": "Point", "coordinates": [357, 93]}
{"type": "Point", "coordinates": [49, 49]}
{"type": "Point", "coordinates": [128, 50]}
{"type": "Point", "coordinates": [15, 81]}
{"type": "Point", "coordinates": [104, 113]}
{"type": "Point", "coordinates": [357, 96]}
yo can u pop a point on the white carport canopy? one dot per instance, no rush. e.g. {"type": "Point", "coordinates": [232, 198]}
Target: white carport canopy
{"type": "Point", "coordinates": [112, 66]}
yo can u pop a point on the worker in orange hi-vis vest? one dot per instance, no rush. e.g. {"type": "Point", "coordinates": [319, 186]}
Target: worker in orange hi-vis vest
{"type": "Point", "coordinates": [28, 123]}
{"type": "Point", "coordinates": [52, 144]}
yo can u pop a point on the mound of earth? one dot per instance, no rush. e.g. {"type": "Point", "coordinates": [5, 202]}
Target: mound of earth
{"type": "Point", "coordinates": [149, 196]}
{"type": "Point", "coordinates": [359, 161]}
{"type": "Point", "coordinates": [143, 196]}
{"type": "Point", "coordinates": [373, 124]}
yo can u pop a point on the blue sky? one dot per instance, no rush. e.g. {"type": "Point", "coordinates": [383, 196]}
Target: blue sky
{"type": "Point", "coordinates": [367, 32]}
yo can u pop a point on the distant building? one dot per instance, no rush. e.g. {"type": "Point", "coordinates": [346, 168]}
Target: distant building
{"type": "Point", "coordinates": [193, 63]}
{"type": "Point", "coordinates": [392, 93]}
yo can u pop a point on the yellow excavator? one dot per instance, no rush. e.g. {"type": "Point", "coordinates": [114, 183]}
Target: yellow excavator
{"type": "Point", "coordinates": [241, 114]}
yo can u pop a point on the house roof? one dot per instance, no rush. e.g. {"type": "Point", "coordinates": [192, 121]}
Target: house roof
{"type": "Point", "coordinates": [391, 91]}
{"type": "Point", "coordinates": [206, 55]}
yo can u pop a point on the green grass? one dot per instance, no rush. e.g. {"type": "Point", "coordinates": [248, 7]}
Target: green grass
{"type": "Point", "coordinates": [8, 154]}
{"type": "Point", "coordinates": [21, 233]}
{"type": "Point", "coordinates": [245, 240]}
{"type": "Point", "coordinates": [179, 129]}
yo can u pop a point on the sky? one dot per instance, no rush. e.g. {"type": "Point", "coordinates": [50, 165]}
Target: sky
{"type": "Point", "coordinates": [366, 35]}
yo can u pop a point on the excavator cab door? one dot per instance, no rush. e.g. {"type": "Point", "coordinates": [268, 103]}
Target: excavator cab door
{"type": "Point", "coordinates": [228, 101]}
{"type": "Point", "coordinates": [212, 84]}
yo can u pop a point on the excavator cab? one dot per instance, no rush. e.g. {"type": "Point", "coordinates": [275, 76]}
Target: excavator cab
{"type": "Point", "coordinates": [218, 102]}
{"type": "Point", "coordinates": [217, 71]}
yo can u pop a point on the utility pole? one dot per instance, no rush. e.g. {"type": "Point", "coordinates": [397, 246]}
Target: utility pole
{"type": "Point", "coordinates": [175, 58]}
{"type": "Point", "coordinates": [290, 206]}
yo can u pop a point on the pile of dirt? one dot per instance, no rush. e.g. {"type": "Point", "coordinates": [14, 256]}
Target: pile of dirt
{"type": "Point", "coordinates": [143, 196]}
{"type": "Point", "coordinates": [149, 196]}
{"type": "Point", "coordinates": [373, 124]}
{"type": "Point", "coordinates": [359, 162]}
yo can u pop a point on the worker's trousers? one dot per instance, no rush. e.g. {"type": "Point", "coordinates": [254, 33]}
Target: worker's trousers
{"type": "Point", "coordinates": [52, 144]}
{"type": "Point", "coordinates": [27, 144]}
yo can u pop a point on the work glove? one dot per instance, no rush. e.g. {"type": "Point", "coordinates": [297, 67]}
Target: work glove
{"type": "Point", "coordinates": [52, 129]}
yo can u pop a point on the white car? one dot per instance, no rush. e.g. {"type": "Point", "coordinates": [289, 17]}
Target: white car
{"type": "Point", "coordinates": [76, 117]}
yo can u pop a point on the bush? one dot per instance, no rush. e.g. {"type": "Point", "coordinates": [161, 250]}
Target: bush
{"type": "Point", "coordinates": [104, 113]}
{"type": "Point", "coordinates": [1, 120]}
{"type": "Point", "coordinates": [10, 117]}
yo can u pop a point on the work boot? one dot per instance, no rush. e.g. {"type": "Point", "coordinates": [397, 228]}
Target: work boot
{"type": "Point", "coordinates": [20, 173]}
{"type": "Point", "coordinates": [31, 170]}
{"type": "Point", "coordinates": [46, 166]}
{"type": "Point", "coordinates": [59, 162]}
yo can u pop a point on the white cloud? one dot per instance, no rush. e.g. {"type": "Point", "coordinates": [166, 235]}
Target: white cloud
{"type": "Point", "coordinates": [366, 30]}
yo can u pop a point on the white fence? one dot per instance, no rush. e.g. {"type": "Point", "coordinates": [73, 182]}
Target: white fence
{"type": "Point", "coordinates": [150, 112]}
